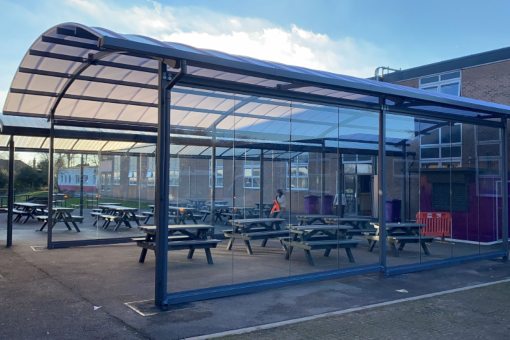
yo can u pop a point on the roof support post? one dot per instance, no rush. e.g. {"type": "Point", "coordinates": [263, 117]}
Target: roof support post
{"type": "Point", "coordinates": [261, 185]}
{"type": "Point", "coordinates": [51, 166]}
{"type": "Point", "coordinates": [504, 185]}
{"type": "Point", "coordinates": [381, 179]}
{"type": "Point", "coordinates": [323, 177]}
{"type": "Point", "coordinates": [404, 213]}
{"type": "Point", "coordinates": [213, 177]}
{"type": "Point", "coordinates": [81, 185]}
{"type": "Point", "coordinates": [165, 83]}
{"type": "Point", "coordinates": [10, 192]}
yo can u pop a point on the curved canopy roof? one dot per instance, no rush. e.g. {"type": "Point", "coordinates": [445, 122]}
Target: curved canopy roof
{"type": "Point", "coordinates": [94, 77]}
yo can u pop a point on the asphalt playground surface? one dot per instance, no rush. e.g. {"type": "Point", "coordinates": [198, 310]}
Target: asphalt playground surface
{"type": "Point", "coordinates": [82, 293]}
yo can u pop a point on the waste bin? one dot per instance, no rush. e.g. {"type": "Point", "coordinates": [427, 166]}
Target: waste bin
{"type": "Point", "coordinates": [327, 204]}
{"type": "Point", "coordinates": [396, 209]}
{"type": "Point", "coordinates": [389, 211]}
{"type": "Point", "coordinates": [393, 208]}
{"type": "Point", "coordinates": [311, 204]}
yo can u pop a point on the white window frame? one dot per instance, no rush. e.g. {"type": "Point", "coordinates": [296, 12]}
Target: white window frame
{"type": "Point", "coordinates": [219, 174]}
{"type": "Point", "coordinates": [151, 165]}
{"type": "Point", "coordinates": [133, 170]}
{"type": "Point", "coordinates": [442, 161]}
{"type": "Point", "coordinates": [440, 82]}
{"type": "Point", "coordinates": [116, 170]}
{"type": "Point", "coordinates": [251, 165]}
{"type": "Point", "coordinates": [297, 163]}
{"type": "Point", "coordinates": [175, 171]}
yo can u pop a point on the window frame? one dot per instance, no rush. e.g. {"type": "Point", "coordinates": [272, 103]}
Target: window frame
{"type": "Point", "coordinates": [297, 163]}
{"type": "Point", "coordinates": [252, 165]}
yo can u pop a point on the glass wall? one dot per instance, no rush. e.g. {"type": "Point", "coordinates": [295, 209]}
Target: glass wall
{"type": "Point", "coordinates": [451, 191]}
{"type": "Point", "coordinates": [272, 194]}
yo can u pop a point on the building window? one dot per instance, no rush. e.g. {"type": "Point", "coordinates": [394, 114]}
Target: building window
{"type": "Point", "coordinates": [133, 170]}
{"type": "Point", "coordinates": [442, 147]}
{"type": "Point", "coordinates": [489, 154]}
{"type": "Point", "coordinates": [116, 170]}
{"type": "Point", "coordinates": [252, 174]}
{"type": "Point", "coordinates": [151, 166]}
{"type": "Point", "coordinates": [219, 173]}
{"type": "Point", "coordinates": [174, 172]}
{"type": "Point", "coordinates": [448, 83]}
{"type": "Point", "coordinates": [299, 172]}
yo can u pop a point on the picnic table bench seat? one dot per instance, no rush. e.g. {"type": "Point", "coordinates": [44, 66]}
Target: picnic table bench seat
{"type": "Point", "coordinates": [401, 240]}
{"type": "Point", "coordinates": [254, 234]}
{"type": "Point", "coordinates": [317, 243]}
{"type": "Point", "coordinates": [73, 219]}
{"type": "Point", "coordinates": [179, 243]}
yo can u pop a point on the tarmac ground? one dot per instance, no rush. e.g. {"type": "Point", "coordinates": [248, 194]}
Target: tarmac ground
{"type": "Point", "coordinates": [82, 293]}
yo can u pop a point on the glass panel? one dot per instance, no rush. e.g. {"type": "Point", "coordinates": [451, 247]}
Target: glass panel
{"type": "Point", "coordinates": [431, 137]}
{"type": "Point", "coordinates": [452, 89]}
{"type": "Point", "coordinates": [427, 80]}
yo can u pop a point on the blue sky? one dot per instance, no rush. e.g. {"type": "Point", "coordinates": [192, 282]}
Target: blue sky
{"type": "Point", "coordinates": [345, 36]}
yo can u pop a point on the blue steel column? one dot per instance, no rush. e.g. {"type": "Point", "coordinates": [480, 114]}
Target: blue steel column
{"type": "Point", "coordinates": [213, 175]}
{"type": "Point", "coordinates": [261, 185]}
{"type": "Point", "coordinates": [504, 186]}
{"type": "Point", "coordinates": [162, 187]}
{"type": "Point", "coordinates": [382, 184]}
{"type": "Point", "coordinates": [81, 185]}
{"type": "Point", "coordinates": [10, 192]}
{"type": "Point", "coordinates": [51, 167]}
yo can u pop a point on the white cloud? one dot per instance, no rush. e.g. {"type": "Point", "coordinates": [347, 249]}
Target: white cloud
{"type": "Point", "coordinates": [252, 37]}
{"type": "Point", "coordinates": [3, 96]}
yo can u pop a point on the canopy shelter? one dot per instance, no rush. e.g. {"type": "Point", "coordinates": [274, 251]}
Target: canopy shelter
{"type": "Point", "coordinates": [137, 90]}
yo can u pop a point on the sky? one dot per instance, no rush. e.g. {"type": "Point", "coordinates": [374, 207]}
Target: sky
{"type": "Point", "coordinates": [344, 36]}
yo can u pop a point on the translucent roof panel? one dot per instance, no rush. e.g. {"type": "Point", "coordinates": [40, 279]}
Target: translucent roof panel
{"type": "Point", "coordinates": [102, 77]}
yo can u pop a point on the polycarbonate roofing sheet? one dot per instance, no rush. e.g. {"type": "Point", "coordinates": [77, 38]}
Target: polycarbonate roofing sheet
{"type": "Point", "coordinates": [122, 87]}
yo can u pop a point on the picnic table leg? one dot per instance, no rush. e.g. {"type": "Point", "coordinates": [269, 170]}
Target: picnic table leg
{"type": "Point", "coordinates": [394, 248]}
{"type": "Point", "coordinates": [190, 253]}
{"type": "Point", "coordinates": [308, 256]}
{"type": "Point", "coordinates": [230, 242]}
{"type": "Point", "coordinates": [75, 226]}
{"type": "Point", "coordinates": [26, 219]}
{"type": "Point", "coordinates": [425, 248]}
{"type": "Point", "coordinates": [348, 251]}
{"type": "Point", "coordinates": [288, 253]}
{"type": "Point", "coordinates": [44, 225]}
{"type": "Point", "coordinates": [372, 245]}
{"type": "Point", "coordinates": [248, 247]}
{"type": "Point", "coordinates": [142, 255]}
{"type": "Point", "coordinates": [67, 225]}
{"type": "Point", "coordinates": [208, 255]}
{"type": "Point", "coordinates": [264, 242]}
{"type": "Point", "coordinates": [326, 252]}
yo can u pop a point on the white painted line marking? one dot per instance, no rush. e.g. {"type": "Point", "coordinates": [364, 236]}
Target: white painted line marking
{"type": "Point", "coordinates": [341, 312]}
{"type": "Point", "coordinates": [37, 248]}
{"type": "Point", "coordinates": [130, 305]}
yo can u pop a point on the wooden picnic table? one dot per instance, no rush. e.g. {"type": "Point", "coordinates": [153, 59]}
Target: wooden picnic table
{"type": "Point", "coordinates": [190, 237]}
{"type": "Point", "coordinates": [119, 215]}
{"type": "Point", "coordinates": [319, 236]}
{"type": "Point", "coordinates": [61, 214]}
{"type": "Point", "coordinates": [360, 225]}
{"type": "Point", "coordinates": [401, 234]}
{"type": "Point", "coordinates": [254, 228]}
{"type": "Point", "coordinates": [27, 209]}
{"type": "Point", "coordinates": [313, 218]}
{"type": "Point", "coordinates": [180, 214]}
{"type": "Point", "coordinates": [235, 212]}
